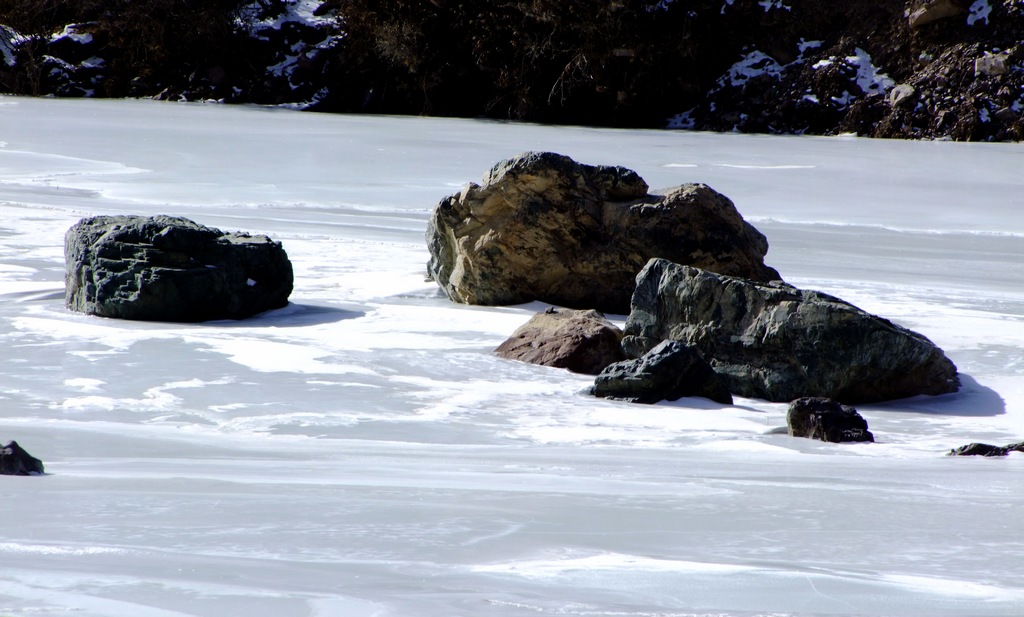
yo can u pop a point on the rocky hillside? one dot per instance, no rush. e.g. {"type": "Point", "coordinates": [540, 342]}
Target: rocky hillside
{"type": "Point", "coordinates": [884, 68]}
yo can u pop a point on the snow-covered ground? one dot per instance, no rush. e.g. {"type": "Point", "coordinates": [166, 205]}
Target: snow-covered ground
{"type": "Point", "coordinates": [362, 453]}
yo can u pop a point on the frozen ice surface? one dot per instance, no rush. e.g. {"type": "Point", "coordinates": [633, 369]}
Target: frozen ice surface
{"type": "Point", "coordinates": [361, 452]}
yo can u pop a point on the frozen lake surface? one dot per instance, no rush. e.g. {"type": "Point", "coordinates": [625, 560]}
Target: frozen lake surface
{"type": "Point", "coordinates": [362, 453]}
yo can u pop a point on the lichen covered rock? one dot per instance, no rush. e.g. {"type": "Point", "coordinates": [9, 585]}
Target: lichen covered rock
{"type": "Point", "coordinates": [544, 227]}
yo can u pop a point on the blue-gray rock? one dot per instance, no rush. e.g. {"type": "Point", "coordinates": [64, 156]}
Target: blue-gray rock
{"type": "Point", "coordinates": [165, 268]}
{"type": "Point", "coordinates": [668, 372]}
{"type": "Point", "coordinates": [779, 343]}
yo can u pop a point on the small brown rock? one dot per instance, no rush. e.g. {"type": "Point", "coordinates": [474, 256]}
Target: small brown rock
{"type": "Point", "coordinates": [581, 341]}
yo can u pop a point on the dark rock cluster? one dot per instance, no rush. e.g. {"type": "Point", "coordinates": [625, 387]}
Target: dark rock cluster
{"type": "Point", "coordinates": [706, 316]}
{"type": "Point", "coordinates": [919, 69]}
{"type": "Point", "coordinates": [233, 51]}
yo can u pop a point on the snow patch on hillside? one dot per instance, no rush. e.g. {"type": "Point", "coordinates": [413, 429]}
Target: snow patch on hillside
{"type": "Point", "coordinates": [979, 12]}
{"type": "Point", "coordinates": [769, 5]}
{"type": "Point", "coordinates": [303, 12]}
{"type": "Point", "coordinates": [869, 78]}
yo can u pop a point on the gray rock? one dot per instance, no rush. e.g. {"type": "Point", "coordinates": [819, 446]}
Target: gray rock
{"type": "Point", "coordinates": [580, 341]}
{"type": "Point", "coordinates": [984, 449]}
{"type": "Point", "coordinates": [15, 461]}
{"type": "Point", "coordinates": [901, 94]}
{"type": "Point", "coordinates": [779, 343]}
{"type": "Point", "coordinates": [990, 65]}
{"type": "Point", "coordinates": [166, 268]}
{"type": "Point", "coordinates": [827, 420]}
{"type": "Point", "coordinates": [668, 372]}
{"type": "Point", "coordinates": [544, 227]}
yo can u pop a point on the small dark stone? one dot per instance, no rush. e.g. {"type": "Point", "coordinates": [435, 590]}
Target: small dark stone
{"type": "Point", "coordinates": [668, 372]}
{"type": "Point", "coordinates": [825, 419]}
{"type": "Point", "coordinates": [15, 461]}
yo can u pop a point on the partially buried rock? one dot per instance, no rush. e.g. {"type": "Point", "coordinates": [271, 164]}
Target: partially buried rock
{"type": "Point", "coordinates": [544, 227]}
{"type": "Point", "coordinates": [581, 341]}
{"type": "Point", "coordinates": [779, 343]}
{"type": "Point", "coordinates": [668, 372]}
{"type": "Point", "coordinates": [934, 10]}
{"type": "Point", "coordinates": [15, 461]}
{"type": "Point", "coordinates": [827, 420]}
{"type": "Point", "coordinates": [984, 449]}
{"type": "Point", "coordinates": [165, 268]}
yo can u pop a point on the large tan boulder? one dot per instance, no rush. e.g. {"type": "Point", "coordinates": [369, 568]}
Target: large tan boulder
{"type": "Point", "coordinates": [544, 227]}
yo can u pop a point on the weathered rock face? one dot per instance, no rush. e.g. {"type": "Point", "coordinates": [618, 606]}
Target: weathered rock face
{"type": "Point", "coordinates": [15, 461]}
{"type": "Point", "coordinates": [171, 269]}
{"type": "Point", "coordinates": [581, 341]}
{"type": "Point", "coordinates": [780, 343]}
{"type": "Point", "coordinates": [984, 449]}
{"type": "Point", "coordinates": [544, 227]}
{"type": "Point", "coordinates": [827, 420]}
{"type": "Point", "coordinates": [934, 10]}
{"type": "Point", "coordinates": [668, 372]}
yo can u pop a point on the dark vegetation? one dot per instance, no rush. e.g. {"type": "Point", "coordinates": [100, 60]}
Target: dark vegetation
{"type": "Point", "coordinates": [145, 45]}
{"type": "Point", "coordinates": [613, 62]}
{"type": "Point", "coordinates": [623, 63]}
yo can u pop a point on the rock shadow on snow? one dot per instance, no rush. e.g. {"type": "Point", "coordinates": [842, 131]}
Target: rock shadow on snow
{"type": "Point", "coordinates": [972, 401]}
{"type": "Point", "coordinates": [294, 315]}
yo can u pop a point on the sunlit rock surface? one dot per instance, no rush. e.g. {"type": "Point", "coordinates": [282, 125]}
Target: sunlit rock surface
{"type": "Point", "coordinates": [544, 227]}
{"type": "Point", "coordinates": [581, 341]}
